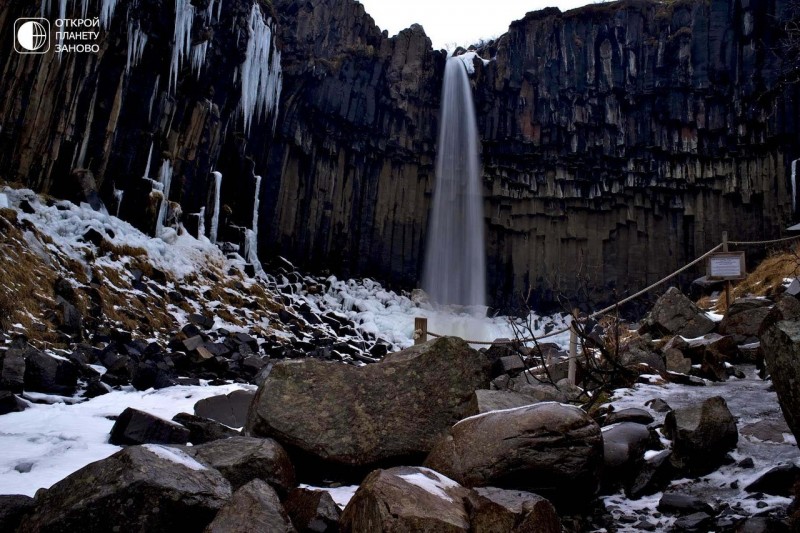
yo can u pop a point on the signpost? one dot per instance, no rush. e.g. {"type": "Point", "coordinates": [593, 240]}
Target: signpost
{"type": "Point", "coordinates": [726, 266]}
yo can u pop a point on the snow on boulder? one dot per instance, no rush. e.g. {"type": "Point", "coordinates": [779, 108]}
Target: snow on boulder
{"type": "Point", "coordinates": [358, 417]}
{"type": "Point", "coordinates": [701, 435]}
{"type": "Point", "coordinates": [407, 499]}
{"type": "Point", "coordinates": [140, 488]}
{"type": "Point", "coordinates": [552, 449]}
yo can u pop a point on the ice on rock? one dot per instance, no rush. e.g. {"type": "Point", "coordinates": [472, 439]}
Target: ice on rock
{"type": "Point", "coordinates": [137, 40]}
{"type": "Point", "coordinates": [251, 237]}
{"type": "Point", "coordinates": [184, 17]}
{"type": "Point", "coordinates": [107, 12]}
{"type": "Point", "coordinates": [199, 57]}
{"type": "Point", "coordinates": [165, 181]}
{"type": "Point", "coordinates": [261, 76]}
{"type": "Point", "coordinates": [215, 212]}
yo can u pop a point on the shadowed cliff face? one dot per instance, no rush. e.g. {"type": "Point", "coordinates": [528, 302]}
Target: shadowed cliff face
{"type": "Point", "coordinates": [619, 140]}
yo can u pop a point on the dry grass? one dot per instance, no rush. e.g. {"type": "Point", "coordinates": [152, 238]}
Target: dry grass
{"type": "Point", "coordinates": [121, 250]}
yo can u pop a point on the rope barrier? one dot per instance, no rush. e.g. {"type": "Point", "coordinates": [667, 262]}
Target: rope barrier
{"type": "Point", "coordinates": [418, 333]}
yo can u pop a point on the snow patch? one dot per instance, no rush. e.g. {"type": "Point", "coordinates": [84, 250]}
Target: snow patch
{"type": "Point", "coordinates": [431, 482]}
{"type": "Point", "coordinates": [175, 456]}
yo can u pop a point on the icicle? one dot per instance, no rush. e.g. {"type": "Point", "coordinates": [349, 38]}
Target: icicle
{"type": "Point", "coordinates": [261, 76]}
{"type": "Point", "coordinates": [88, 131]}
{"type": "Point", "coordinates": [118, 194]}
{"type": "Point", "coordinates": [794, 185]}
{"type": "Point", "coordinates": [251, 236]}
{"type": "Point", "coordinates": [199, 57]}
{"type": "Point", "coordinates": [137, 39]}
{"type": "Point", "coordinates": [215, 213]}
{"type": "Point", "coordinates": [165, 180]}
{"type": "Point", "coordinates": [84, 8]}
{"type": "Point", "coordinates": [201, 223]}
{"type": "Point", "coordinates": [147, 167]}
{"type": "Point", "coordinates": [184, 17]}
{"type": "Point", "coordinates": [210, 10]}
{"type": "Point", "coordinates": [219, 10]}
{"type": "Point", "coordinates": [62, 14]}
{"type": "Point", "coordinates": [153, 99]}
{"type": "Point", "coordinates": [45, 8]}
{"type": "Point", "coordinates": [107, 8]}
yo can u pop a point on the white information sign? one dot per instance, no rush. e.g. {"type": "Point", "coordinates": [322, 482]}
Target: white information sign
{"type": "Point", "coordinates": [726, 265]}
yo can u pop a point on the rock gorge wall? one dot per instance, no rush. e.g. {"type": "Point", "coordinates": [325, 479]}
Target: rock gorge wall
{"type": "Point", "coordinates": [619, 140]}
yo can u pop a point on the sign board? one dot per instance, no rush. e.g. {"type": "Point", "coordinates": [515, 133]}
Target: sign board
{"type": "Point", "coordinates": [726, 266]}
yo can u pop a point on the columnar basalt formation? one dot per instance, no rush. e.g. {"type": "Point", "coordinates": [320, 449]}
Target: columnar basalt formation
{"type": "Point", "coordinates": [619, 140]}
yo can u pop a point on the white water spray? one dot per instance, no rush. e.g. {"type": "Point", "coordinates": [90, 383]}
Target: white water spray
{"type": "Point", "coordinates": [215, 213]}
{"type": "Point", "coordinates": [455, 263]}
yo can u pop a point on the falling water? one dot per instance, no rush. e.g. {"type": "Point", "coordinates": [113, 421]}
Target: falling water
{"type": "Point", "coordinates": [455, 263]}
{"type": "Point", "coordinates": [215, 213]}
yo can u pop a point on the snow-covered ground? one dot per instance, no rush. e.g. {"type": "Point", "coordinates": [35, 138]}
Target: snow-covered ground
{"type": "Point", "coordinates": [46, 443]}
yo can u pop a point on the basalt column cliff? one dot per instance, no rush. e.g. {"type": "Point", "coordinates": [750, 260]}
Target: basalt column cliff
{"type": "Point", "coordinates": [618, 140]}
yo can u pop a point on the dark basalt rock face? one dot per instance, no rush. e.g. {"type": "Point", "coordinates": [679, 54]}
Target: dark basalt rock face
{"type": "Point", "coordinates": [619, 140]}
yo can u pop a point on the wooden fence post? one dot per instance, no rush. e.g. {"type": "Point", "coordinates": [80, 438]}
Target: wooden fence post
{"type": "Point", "coordinates": [420, 330]}
{"type": "Point", "coordinates": [573, 348]}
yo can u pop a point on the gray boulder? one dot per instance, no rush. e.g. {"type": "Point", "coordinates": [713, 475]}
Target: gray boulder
{"type": "Point", "coordinates": [45, 373]}
{"type": "Point", "coordinates": [781, 345]}
{"type": "Point", "coordinates": [744, 317]}
{"type": "Point", "coordinates": [493, 510]}
{"type": "Point", "coordinates": [141, 488]}
{"type": "Point", "coordinates": [701, 435]}
{"type": "Point", "coordinates": [484, 401]}
{"type": "Point", "coordinates": [407, 499]}
{"type": "Point", "coordinates": [356, 417]}
{"type": "Point", "coordinates": [551, 449]}
{"type": "Point", "coordinates": [254, 507]}
{"type": "Point", "coordinates": [13, 508]}
{"type": "Point", "coordinates": [243, 459]}
{"type": "Point", "coordinates": [12, 371]}
{"type": "Point", "coordinates": [313, 511]}
{"type": "Point", "coordinates": [676, 314]}
{"type": "Point", "coordinates": [624, 445]}
{"type": "Point", "coordinates": [230, 409]}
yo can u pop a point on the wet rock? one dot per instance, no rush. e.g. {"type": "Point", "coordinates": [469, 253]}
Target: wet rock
{"type": "Point", "coordinates": [230, 409]}
{"type": "Point", "coordinates": [137, 427]}
{"type": "Point", "coordinates": [777, 481]}
{"type": "Point", "coordinates": [638, 416]}
{"type": "Point", "coordinates": [13, 508]}
{"type": "Point", "coordinates": [146, 488]}
{"type": "Point", "coordinates": [9, 403]}
{"type": "Point", "coordinates": [674, 313]}
{"type": "Point", "coordinates": [407, 499]}
{"type": "Point", "coordinates": [781, 343]}
{"type": "Point", "coordinates": [242, 459]}
{"type": "Point", "coordinates": [676, 503]}
{"type": "Point", "coordinates": [253, 507]}
{"type": "Point", "coordinates": [624, 445]}
{"type": "Point", "coordinates": [551, 449]}
{"type": "Point", "coordinates": [313, 511]}
{"type": "Point", "coordinates": [203, 430]}
{"type": "Point", "coordinates": [357, 417]}
{"type": "Point", "coordinates": [495, 510]}
{"type": "Point", "coordinates": [701, 435]}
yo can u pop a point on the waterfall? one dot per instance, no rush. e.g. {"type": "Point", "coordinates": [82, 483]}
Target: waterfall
{"type": "Point", "coordinates": [794, 185]}
{"type": "Point", "coordinates": [201, 223]}
{"type": "Point", "coordinates": [215, 212]}
{"type": "Point", "coordinates": [118, 194]}
{"type": "Point", "coordinates": [251, 237]}
{"type": "Point", "coordinates": [455, 262]}
{"type": "Point", "coordinates": [165, 182]}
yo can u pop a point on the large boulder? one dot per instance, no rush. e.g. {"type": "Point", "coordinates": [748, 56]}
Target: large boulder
{"type": "Point", "coordinates": [254, 507]}
{"type": "Point", "coordinates": [230, 409]}
{"type": "Point", "coordinates": [624, 445]}
{"type": "Point", "coordinates": [203, 430]}
{"type": "Point", "coordinates": [781, 345]}
{"type": "Point", "coordinates": [406, 499]}
{"type": "Point", "coordinates": [138, 427]}
{"type": "Point", "coordinates": [676, 314]}
{"type": "Point", "coordinates": [551, 449]}
{"type": "Point", "coordinates": [12, 371]}
{"type": "Point", "coordinates": [49, 374]}
{"type": "Point", "coordinates": [242, 459]}
{"type": "Point", "coordinates": [386, 412]}
{"type": "Point", "coordinates": [744, 317]}
{"type": "Point", "coordinates": [701, 435]}
{"type": "Point", "coordinates": [141, 488]}
{"type": "Point", "coordinates": [12, 510]}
